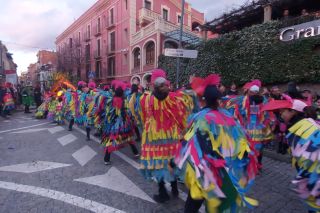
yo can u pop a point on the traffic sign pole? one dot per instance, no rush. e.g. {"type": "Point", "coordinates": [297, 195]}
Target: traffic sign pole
{"type": "Point", "coordinates": [180, 43]}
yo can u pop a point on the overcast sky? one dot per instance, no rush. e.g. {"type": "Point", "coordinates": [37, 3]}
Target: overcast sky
{"type": "Point", "coordinates": [30, 25]}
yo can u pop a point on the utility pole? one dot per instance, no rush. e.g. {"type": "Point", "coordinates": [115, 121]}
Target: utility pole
{"type": "Point", "coordinates": [180, 43]}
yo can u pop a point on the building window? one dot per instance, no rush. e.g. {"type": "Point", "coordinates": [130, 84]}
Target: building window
{"type": "Point", "coordinates": [111, 17]}
{"type": "Point", "coordinates": [125, 59]}
{"type": "Point", "coordinates": [98, 47]}
{"type": "Point", "coordinates": [179, 19]}
{"type": "Point", "coordinates": [79, 37]}
{"type": "Point", "coordinates": [99, 26]}
{"type": "Point", "coordinates": [150, 53]}
{"type": "Point", "coordinates": [111, 66]}
{"type": "Point", "coordinates": [88, 32]}
{"type": "Point", "coordinates": [136, 58]}
{"type": "Point", "coordinates": [165, 15]}
{"type": "Point", "coordinates": [147, 4]}
{"type": "Point", "coordinates": [98, 69]}
{"type": "Point", "coordinates": [126, 3]}
{"type": "Point", "coordinates": [70, 43]}
{"type": "Point", "coordinates": [88, 52]}
{"type": "Point", "coordinates": [112, 41]}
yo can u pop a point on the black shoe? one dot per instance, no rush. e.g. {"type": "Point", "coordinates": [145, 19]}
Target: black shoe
{"type": "Point", "coordinates": [70, 130]}
{"type": "Point", "coordinates": [161, 199]}
{"type": "Point", "coordinates": [88, 139]}
{"type": "Point", "coordinates": [175, 193]}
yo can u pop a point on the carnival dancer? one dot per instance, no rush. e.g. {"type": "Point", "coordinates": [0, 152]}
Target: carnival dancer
{"type": "Point", "coordinates": [8, 100]}
{"type": "Point", "coordinates": [52, 108]}
{"type": "Point", "coordinates": [26, 98]}
{"type": "Point", "coordinates": [134, 106]}
{"type": "Point", "coordinates": [218, 163]}
{"type": "Point", "coordinates": [100, 108]}
{"type": "Point", "coordinates": [164, 119]}
{"type": "Point", "coordinates": [89, 107]}
{"type": "Point", "coordinates": [42, 110]}
{"type": "Point", "coordinates": [303, 139]}
{"type": "Point", "coordinates": [117, 127]}
{"type": "Point", "coordinates": [58, 117]}
{"type": "Point", "coordinates": [247, 110]}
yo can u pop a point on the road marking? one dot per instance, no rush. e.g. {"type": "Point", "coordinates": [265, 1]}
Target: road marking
{"type": "Point", "coordinates": [182, 195]}
{"type": "Point", "coordinates": [65, 140]}
{"type": "Point", "coordinates": [29, 131]}
{"type": "Point", "coordinates": [6, 121]}
{"type": "Point", "coordinates": [55, 129]}
{"type": "Point", "coordinates": [61, 196]}
{"type": "Point", "coordinates": [84, 155]}
{"type": "Point", "coordinates": [116, 181]}
{"type": "Point", "coordinates": [32, 167]}
{"type": "Point", "coordinates": [27, 127]}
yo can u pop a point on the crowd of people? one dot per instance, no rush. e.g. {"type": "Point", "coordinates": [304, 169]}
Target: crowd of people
{"type": "Point", "coordinates": [210, 138]}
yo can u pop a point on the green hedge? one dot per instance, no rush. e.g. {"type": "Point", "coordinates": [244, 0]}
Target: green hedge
{"type": "Point", "coordinates": [254, 52]}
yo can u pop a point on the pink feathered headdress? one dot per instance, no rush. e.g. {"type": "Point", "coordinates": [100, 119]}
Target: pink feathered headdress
{"type": "Point", "coordinates": [92, 85]}
{"type": "Point", "coordinates": [158, 73]}
{"type": "Point", "coordinates": [117, 83]}
{"type": "Point", "coordinates": [82, 83]}
{"type": "Point", "coordinates": [200, 84]}
{"type": "Point", "coordinates": [255, 82]}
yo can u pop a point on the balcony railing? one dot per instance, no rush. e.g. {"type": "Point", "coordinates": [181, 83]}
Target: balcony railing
{"type": "Point", "coordinates": [146, 15]}
{"type": "Point", "coordinates": [158, 25]}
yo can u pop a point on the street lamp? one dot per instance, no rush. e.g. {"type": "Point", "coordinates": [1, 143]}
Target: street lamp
{"type": "Point", "coordinates": [180, 43]}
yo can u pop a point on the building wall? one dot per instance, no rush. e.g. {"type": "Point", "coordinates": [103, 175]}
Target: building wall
{"type": "Point", "coordinates": [129, 31]}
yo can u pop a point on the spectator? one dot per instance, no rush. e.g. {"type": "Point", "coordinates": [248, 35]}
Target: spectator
{"type": "Point", "coordinates": [37, 95]}
{"type": "Point", "coordinates": [233, 90]}
{"type": "Point", "coordinates": [276, 93]}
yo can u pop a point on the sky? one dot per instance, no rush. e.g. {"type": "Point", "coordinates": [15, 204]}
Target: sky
{"type": "Point", "coordinates": [30, 25]}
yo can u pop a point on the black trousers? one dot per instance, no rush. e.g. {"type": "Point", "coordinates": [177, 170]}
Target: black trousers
{"type": "Point", "coordinates": [26, 108]}
{"type": "Point", "coordinates": [133, 149]}
{"type": "Point", "coordinates": [191, 205]}
{"type": "Point", "coordinates": [71, 123]}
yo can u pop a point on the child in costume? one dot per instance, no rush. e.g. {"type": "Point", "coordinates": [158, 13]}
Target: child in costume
{"type": "Point", "coordinates": [164, 117]}
{"type": "Point", "coordinates": [303, 139]}
{"type": "Point", "coordinates": [58, 117]}
{"type": "Point", "coordinates": [218, 163]}
{"type": "Point", "coordinates": [134, 106]}
{"type": "Point", "coordinates": [247, 110]}
{"type": "Point", "coordinates": [117, 128]}
{"type": "Point", "coordinates": [52, 107]}
{"type": "Point", "coordinates": [89, 107]}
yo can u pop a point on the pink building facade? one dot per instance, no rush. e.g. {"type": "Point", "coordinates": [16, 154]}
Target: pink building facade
{"type": "Point", "coordinates": [122, 39]}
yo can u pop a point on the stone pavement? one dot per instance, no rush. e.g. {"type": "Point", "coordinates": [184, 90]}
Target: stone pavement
{"type": "Point", "coordinates": [44, 168]}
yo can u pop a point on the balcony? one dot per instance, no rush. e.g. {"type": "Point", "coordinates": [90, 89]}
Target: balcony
{"type": "Point", "coordinates": [97, 30]}
{"type": "Point", "coordinates": [146, 16]}
{"type": "Point", "coordinates": [159, 25]}
{"type": "Point", "coordinates": [110, 23]}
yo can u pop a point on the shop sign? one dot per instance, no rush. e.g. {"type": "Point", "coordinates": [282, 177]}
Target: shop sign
{"type": "Point", "coordinates": [305, 30]}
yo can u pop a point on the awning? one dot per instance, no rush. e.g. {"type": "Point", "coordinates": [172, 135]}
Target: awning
{"type": "Point", "coordinates": [186, 37]}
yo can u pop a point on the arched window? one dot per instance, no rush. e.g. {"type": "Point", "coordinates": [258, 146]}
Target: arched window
{"type": "Point", "coordinates": [150, 53]}
{"type": "Point", "coordinates": [136, 58]}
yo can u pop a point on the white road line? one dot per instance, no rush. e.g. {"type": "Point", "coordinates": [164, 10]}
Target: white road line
{"type": "Point", "coordinates": [32, 167]}
{"type": "Point", "coordinates": [65, 140]}
{"type": "Point", "coordinates": [29, 131]}
{"type": "Point", "coordinates": [182, 195]}
{"type": "Point", "coordinates": [61, 196]}
{"type": "Point", "coordinates": [55, 129]}
{"type": "Point", "coordinates": [11, 130]}
{"type": "Point", "coordinates": [117, 181]}
{"type": "Point", "coordinates": [84, 155]}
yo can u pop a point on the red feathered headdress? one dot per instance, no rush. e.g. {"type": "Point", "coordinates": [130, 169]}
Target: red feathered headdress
{"type": "Point", "coordinates": [92, 85]}
{"type": "Point", "coordinates": [82, 83]}
{"type": "Point", "coordinates": [200, 84]}
{"type": "Point", "coordinates": [284, 104]}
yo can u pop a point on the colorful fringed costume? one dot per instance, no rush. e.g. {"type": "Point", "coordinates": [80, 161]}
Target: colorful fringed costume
{"type": "Point", "coordinates": [43, 108]}
{"type": "Point", "coordinates": [218, 162]}
{"type": "Point", "coordinates": [58, 117]}
{"type": "Point", "coordinates": [163, 124]}
{"type": "Point", "coordinates": [257, 123]}
{"type": "Point", "coordinates": [134, 106]}
{"type": "Point", "coordinates": [304, 143]}
{"type": "Point", "coordinates": [70, 103]}
{"type": "Point", "coordinates": [8, 102]}
{"type": "Point", "coordinates": [52, 109]}
{"type": "Point", "coordinates": [117, 129]}
{"type": "Point", "coordinates": [90, 108]}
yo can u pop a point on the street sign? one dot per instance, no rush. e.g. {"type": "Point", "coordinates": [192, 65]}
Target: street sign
{"type": "Point", "coordinates": [181, 53]}
{"type": "Point", "coordinates": [91, 74]}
